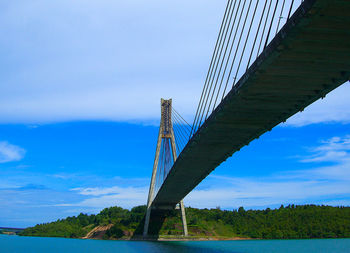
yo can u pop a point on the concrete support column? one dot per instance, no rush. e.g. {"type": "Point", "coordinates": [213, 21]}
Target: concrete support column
{"type": "Point", "coordinates": [153, 181]}
{"type": "Point", "coordinates": [183, 217]}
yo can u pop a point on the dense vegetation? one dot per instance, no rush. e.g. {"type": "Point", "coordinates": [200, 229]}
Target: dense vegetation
{"type": "Point", "coordinates": [306, 221]}
{"type": "Point", "coordinates": [71, 227]}
{"type": "Point", "coordinates": [79, 226]}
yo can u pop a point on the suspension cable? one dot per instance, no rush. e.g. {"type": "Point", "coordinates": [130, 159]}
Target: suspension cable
{"type": "Point", "coordinates": [213, 59]}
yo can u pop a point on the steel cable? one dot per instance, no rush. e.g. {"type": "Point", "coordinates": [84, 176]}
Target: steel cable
{"type": "Point", "coordinates": [273, 16]}
{"type": "Point", "coordinates": [263, 32]}
{"type": "Point", "coordinates": [224, 56]}
{"type": "Point", "coordinates": [256, 35]}
{"type": "Point", "coordinates": [279, 20]}
{"type": "Point", "coordinates": [212, 77]}
{"type": "Point", "coordinates": [234, 57]}
{"type": "Point", "coordinates": [206, 101]}
{"type": "Point", "coordinates": [245, 43]}
{"type": "Point", "coordinates": [211, 62]}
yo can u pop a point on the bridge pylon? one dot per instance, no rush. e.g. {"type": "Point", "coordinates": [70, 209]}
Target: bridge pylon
{"type": "Point", "coordinates": [165, 135]}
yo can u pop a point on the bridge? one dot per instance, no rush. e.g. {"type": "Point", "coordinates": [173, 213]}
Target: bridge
{"type": "Point", "coordinates": [301, 52]}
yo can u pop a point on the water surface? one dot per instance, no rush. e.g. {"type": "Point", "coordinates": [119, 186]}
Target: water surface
{"type": "Point", "coordinates": [18, 244]}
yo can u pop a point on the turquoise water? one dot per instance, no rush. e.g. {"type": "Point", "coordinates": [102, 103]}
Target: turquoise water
{"type": "Point", "coordinates": [17, 244]}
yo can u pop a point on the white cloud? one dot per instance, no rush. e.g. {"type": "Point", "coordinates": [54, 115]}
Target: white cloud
{"type": "Point", "coordinates": [328, 156]}
{"type": "Point", "coordinates": [322, 184]}
{"type": "Point", "coordinates": [103, 60]}
{"type": "Point", "coordinates": [231, 192]}
{"type": "Point", "coordinates": [335, 149]}
{"type": "Point", "coordinates": [98, 191]}
{"type": "Point", "coordinates": [10, 153]}
{"type": "Point", "coordinates": [114, 60]}
{"type": "Point", "coordinates": [265, 192]}
{"type": "Point", "coordinates": [126, 197]}
{"type": "Point", "coordinates": [332, 109]}
{"type": "Point", "coordinates": [336, 152]}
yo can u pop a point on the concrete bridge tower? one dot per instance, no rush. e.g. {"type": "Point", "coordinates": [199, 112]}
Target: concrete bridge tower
{"type": "Point", "coordinates": [166, 133]}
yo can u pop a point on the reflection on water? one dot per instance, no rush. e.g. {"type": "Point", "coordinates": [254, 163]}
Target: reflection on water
{"type": "Point", "coordinates": [17, 244]}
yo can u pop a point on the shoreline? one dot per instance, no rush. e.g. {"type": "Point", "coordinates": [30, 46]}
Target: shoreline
{"type": "Point", "coordinates": [164, 239]}
{"type": "Point", "coordinates": [175, 238]}
{"type": "Point", "coordinates": [153, 239]}
{"type": "Point", "coordinates": [192, 239]}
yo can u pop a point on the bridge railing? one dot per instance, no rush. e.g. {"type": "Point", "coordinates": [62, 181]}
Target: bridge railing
{"type": "Point", "coordinates": [246, 29]}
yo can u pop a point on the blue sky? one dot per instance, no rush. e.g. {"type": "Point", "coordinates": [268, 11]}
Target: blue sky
{"type": "Point", "coordinates": [80, 86]}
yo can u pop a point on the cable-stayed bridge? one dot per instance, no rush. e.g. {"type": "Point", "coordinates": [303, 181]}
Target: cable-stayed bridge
{"type": "Point", "coordinates": [272, 59]}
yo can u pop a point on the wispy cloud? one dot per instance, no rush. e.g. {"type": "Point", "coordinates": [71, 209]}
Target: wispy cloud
{"type": "Point", "coordinates": [230, 192]}
{"type": "Point", "coordinates": [97, 191]}
{"type": "Point", "coordinates": [325, 182]}
{"type": "Point", "coordinates": [126, 197]}
{"type": "Point", "coordinates": [10, 153]}
{"type": "Point", "coordinates": [321, 184]}
{"type": "Point", "coordinates": [92, 68]}
{"type": "Point", "coordinates": [332, 109]}
{"type": "Point", "coordinates": [335, 149]}
{"type": "Point", "coordinates": [336, 152]}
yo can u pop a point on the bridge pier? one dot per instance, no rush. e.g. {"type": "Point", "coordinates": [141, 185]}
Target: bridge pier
{"type": "Point", "coordinates": [166, 133]}
{"type": "Point", "coordinates": [183, 217]}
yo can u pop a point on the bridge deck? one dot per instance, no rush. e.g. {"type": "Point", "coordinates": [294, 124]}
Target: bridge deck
{"type": "Point", "coordinates": [308, 58]}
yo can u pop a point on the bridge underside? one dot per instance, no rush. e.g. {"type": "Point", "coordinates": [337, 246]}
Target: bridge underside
{"type": "Point", "coordinates": [308, 58]}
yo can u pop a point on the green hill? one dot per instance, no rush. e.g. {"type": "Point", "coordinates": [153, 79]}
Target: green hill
{"type": "Point", "coordinates": [304, 221]}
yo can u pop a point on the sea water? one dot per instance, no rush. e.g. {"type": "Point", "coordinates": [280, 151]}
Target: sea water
{"type": "Point", "coordinates": [19, 244]}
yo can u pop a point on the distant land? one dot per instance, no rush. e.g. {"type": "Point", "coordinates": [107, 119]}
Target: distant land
{"type": "Point", "coordinates": [10, 231]}
{"type": "Point", "coordinates": [289, 222]}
